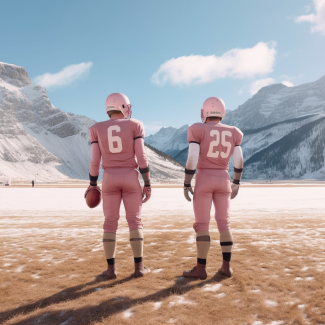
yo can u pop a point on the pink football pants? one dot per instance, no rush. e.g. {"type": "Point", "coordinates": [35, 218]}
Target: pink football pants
{"type": "Point", "coordinates": [118, 184]}
{"type": "Point", "coordinates": [212, 185]}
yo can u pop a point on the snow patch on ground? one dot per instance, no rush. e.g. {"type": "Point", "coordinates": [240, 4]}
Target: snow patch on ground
{"type": "Point", "coordinates": [128, 313]}
{"type": "Point", "coordinates": [67, 321]}
{"type": "Point", "coordinates": [181, 301]}
{"type": "Point", "coordinates": [212, 287]}
{"type": "Point", "coordinates": [19, 269]}
{"type": "Point", "coordinates": [270, 303]}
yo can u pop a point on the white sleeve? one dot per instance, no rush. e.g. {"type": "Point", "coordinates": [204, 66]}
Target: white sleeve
{"type": "Point", "coordinates": [193, 156]}
{"type": "Point", "coordinates": [238, 158]}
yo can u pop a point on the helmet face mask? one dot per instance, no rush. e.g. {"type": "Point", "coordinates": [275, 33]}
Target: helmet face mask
{"type": "Point", "coordinates": [119, 102]}
{"type": "Point", "coordinates": [126, 110]}
{"type": "Point", "coordinates": [213, 107]}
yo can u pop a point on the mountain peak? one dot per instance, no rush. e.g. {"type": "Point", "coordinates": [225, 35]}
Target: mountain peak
{"type": "Point", "coordinates": [14, 75]}
{"type": "Point", "coordinates": [271, 89]}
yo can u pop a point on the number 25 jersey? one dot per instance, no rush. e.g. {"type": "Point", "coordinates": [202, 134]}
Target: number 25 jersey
{"type": "Point", "coordinates": [217, 142]}
{"type": "Point", "coordinates": [115, 138]}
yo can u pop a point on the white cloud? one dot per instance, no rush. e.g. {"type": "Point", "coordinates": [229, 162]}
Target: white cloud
{"type": "Point", "coordinates": [317, 20]}
{"type": "Point", "coordinates": [258, 84]}
{"type": "Point", "coordinates": [236, 63]}
{"type": "Point", "coordinates": [64, 77]}
{"type": "Point", "coordinates": [287, 83]}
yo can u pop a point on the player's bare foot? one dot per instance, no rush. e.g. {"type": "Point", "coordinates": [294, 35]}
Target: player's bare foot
{"type": "Point", "coordinates": [225, 269]}
{"type": "Point", "coordinates": [198, 272]}
{"type": "Point", "coordinates": [110, 273]}
{"type": "Point", "coordinates": [140, 270]}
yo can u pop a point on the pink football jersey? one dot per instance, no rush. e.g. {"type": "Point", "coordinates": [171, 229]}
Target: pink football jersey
{"type": "Point", "coordinates": [115, 138]}
{"type": "Point", "coordinates": [217, 142]}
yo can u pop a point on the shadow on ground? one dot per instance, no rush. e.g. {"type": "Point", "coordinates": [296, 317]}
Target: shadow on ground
{"type": "Point", "coordinates": [89, 314]}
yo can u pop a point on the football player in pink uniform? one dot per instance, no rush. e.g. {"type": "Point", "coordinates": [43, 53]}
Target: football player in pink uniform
{"type": "Point", "coordinates": [211, 144]}
{"type": "Point", "coordinates": [117, 142]}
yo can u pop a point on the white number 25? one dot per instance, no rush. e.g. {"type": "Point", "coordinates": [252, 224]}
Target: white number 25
{"type": "Point", "coordinates": [112, 139]}
{"type": "Point", "coordinates": [224, 134]}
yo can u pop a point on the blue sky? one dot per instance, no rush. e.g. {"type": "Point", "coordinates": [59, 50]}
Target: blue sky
{"type": "Point", "coordinates": [166, 56]}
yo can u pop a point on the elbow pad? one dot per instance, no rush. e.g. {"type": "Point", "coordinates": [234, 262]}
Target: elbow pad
{"type": "Point", "coordinates": [193, 156]}
{"type": "Point", "coordinates": [238, 159]}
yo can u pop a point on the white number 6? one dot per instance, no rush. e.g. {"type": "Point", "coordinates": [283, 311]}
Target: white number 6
{"type": "Point", "coordinates": [112, 139]}
{"type": "Point", "coordinates": [216, 142]}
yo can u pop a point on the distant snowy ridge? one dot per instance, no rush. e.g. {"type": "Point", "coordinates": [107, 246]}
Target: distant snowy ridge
{"type": "Point", "coordinates": [284, 132]}
{"type": "Point", "coordinates": [38, 138]}
{"type": "Point", "coordinates": [169, 140]}
{"type": "Point", "coordinates": [276, 103]}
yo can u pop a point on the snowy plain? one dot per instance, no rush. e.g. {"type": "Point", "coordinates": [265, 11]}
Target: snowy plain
{"type": "Point", "coordinates": [251, 201]}
{"type": "Point", "coordinates": [39, 210]}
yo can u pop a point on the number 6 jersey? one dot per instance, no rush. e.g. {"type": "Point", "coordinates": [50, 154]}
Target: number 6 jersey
{"type": "Point", "coordinates": [115, 138]}
{"type": "Point", "coordinates": [217, 142]}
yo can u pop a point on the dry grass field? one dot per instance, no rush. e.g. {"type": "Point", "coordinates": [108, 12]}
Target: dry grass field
{"type": "Point", "coordinates": [50, 264]}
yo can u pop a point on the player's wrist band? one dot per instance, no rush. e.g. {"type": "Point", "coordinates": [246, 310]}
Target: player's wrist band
{"type": "Point", "coordinates": [187, 185]}
{"type": "Point", "coordinates": [236, 181]}
{"type": "Point", "coordinates": [147, 183]}
{"type": "Point", "coordinates": [93, 180]}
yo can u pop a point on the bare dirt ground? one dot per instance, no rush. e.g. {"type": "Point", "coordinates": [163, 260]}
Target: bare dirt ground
{"type": "Point", "coordinates": [50, 264]}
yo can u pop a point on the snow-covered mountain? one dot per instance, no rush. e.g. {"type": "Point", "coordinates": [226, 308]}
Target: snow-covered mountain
{"type": "Point", "coordinates": [293, 148]}
{"type": "Point", "coordinates": [278, 103]}
{"type": "Point", "coordinates": [38, 138]}
{"type": "Point", "coordinates": [284, 132]}
{"type": "Point", "coordinates": [161, 138]}
{"type": "Point", "coordinates": [169, 140]}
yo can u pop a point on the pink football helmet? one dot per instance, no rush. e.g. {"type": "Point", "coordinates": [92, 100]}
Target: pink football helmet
{"type": "Point", "coordinates": [213, 106]}
{"type": "Point", "coordinates": [119, 102]}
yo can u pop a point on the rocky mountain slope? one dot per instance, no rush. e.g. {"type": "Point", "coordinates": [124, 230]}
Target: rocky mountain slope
{"type": "Point", "coordinates": [277, 103]}
{"type": "Point", "coordinates": [169, 140]}
{"type": "Point", "coordinates": [284, 132]}
{"type": "Point", "coordinates": [38, 138]}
